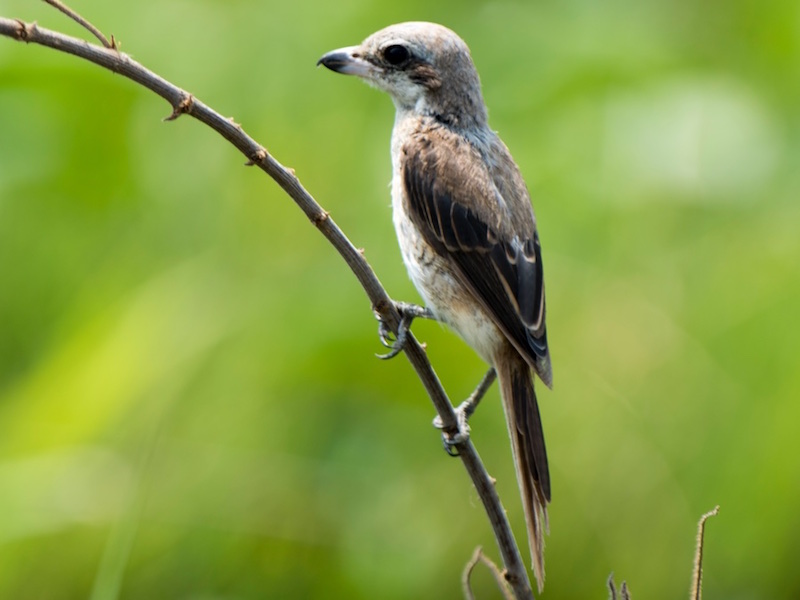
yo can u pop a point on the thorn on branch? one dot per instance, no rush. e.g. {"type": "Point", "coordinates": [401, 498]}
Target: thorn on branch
{"type": "Point", "coordinates": [321, 217]}
{"type": "Point", "coordinates": [183, 107]}
{"type": "Point", "coordinates": [259, 156]}
{"type": "Point", "coordinates": [25, 31]}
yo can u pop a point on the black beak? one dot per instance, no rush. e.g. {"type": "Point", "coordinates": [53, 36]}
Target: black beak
{"type": "Point", "coordinates": [347, 61]}
{"type": "Point", "coordinates": [335, 60]}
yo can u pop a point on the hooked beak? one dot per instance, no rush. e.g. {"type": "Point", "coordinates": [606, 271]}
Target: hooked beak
{"type": "Point", "coordinates": [347, 61]}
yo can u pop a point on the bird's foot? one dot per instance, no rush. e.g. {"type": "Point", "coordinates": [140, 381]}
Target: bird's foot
{"type": "Point", "coordinates": [451, 441]}
{"type": "Point", "coordinates": [408, 312]}
{"type": "Point", "coordinates": [463, 412]}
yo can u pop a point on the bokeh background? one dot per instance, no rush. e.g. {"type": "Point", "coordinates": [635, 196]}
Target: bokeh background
{"type": "Point", "coordinates": [190, 406]}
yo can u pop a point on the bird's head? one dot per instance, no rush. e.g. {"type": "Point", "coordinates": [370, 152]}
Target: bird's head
{"type": "Point", "coordinates": [426, 69]}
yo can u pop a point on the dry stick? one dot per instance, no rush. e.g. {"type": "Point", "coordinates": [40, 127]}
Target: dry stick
{"type": "Point", "coordinates": [697, 575]}
{"type": "Point", "coordinates": [83, 23]}
{"type": "Point", "coordinates": [466, 584]}
{"type": "Point", "coordinates": [184, 103]}
{"type": "Point", "coordinates": [624, 594]}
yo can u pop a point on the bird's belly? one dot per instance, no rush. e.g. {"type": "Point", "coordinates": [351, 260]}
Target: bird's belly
{"type": "Point", "coordinates": [451, 302]}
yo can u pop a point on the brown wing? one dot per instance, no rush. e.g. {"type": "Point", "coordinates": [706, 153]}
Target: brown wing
{"type": "Point", "coordinates": [461, 213]}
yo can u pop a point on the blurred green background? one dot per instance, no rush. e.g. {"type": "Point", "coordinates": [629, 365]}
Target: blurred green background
{"type": "Point", "coordinates": [190, 406]}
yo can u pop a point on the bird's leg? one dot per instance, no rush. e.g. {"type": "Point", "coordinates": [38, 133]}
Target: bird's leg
{"type": "Point", "coordinates": [408, 312]}
{"type": "Point", "coordinates": [463, 412]}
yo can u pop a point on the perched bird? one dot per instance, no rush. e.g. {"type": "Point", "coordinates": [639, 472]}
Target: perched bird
{"type": "Point", "coordinates": [466, 227]}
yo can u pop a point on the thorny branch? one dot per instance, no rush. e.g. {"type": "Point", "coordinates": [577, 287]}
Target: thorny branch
{"type": "Point", "coordinates": [182, 102]}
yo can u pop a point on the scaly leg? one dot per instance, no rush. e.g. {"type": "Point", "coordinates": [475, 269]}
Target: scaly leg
{"type": "Point", "coordinates": [463, 412]}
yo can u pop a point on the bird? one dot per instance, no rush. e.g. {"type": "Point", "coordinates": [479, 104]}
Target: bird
{"type": "Point", "coordinates": [466, 228]}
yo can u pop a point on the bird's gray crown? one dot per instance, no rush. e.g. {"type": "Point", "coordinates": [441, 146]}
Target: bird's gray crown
{"type": "Point", "coordinates": [426, 68]}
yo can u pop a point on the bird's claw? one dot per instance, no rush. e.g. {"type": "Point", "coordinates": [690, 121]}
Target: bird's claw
{"type": "Point", "coordinates": [395, 345]}
{"type": "Point", "coordinates": [386, 335]}
{"type": "Point", "coordinates": [450, 442]}
{"type": "Point", "coordinates": [408, 312]}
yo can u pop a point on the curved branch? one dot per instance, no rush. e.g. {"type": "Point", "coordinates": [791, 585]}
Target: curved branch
{"type": "Point", "coordinates": [184, 103]}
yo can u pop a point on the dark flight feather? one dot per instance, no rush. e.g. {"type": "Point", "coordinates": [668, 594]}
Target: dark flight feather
{"type": "Point", "coordinates": [462, 218]}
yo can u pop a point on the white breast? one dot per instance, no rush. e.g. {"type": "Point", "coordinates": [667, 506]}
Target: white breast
{"type": "Point", "coordinates": [438, 285]}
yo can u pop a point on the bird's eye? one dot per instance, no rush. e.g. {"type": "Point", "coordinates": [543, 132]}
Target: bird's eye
{"type": "Point", "coordinates": [396, 54]}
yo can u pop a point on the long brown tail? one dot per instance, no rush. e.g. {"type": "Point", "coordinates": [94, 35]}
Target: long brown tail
{"type": "Point", "coordinates": [527, 445]}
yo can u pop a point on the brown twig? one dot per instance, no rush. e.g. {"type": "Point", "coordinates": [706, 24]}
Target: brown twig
{"type": "Point", "coordinates": [184, 103]}
{"type": "Point", "coordinates": [697, 575]}
{"type": "Point", "coordinates": [624, 594]}
{"type": "Point", "coordinates": [479, 556]}
{"type": "Point", "coordinates": [83, 23]}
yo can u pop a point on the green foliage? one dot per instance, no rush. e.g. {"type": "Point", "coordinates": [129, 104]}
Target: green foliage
{"type": "Point", "coordinates": [189, 403]}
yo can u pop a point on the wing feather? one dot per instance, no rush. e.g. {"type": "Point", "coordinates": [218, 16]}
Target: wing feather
{"type": "Point", "coordinates": [455, 203]}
